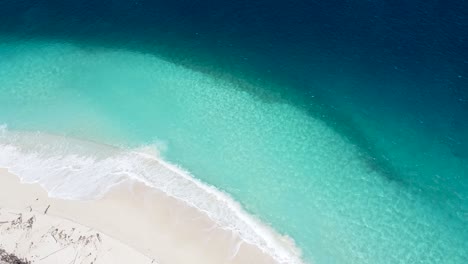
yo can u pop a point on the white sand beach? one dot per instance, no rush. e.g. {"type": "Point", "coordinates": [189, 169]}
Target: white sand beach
{"type": "Point", "coordinates": [131, 224]}
{"type": "Point", "coordinates": [45, 239]}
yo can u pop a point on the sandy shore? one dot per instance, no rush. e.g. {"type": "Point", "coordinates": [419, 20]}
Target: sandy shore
{"type": "Point", "coordinates": [134, 221]}
{"type": "Point", "coordinates": [45, 239]}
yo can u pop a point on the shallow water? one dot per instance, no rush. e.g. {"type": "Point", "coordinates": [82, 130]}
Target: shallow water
{"type": "Point", "coordinates": [351, 146]}
{"type": "Point", "coordinates": [288, 168]}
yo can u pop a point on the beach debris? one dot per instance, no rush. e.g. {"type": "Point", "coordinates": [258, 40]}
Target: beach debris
{"type": "Point", "coordinates": [29, 224]}
{"type": "Point", "coordinates": [11, 259]}
{"type": "Point", "coordinates": [55, 252]}
{"type": "Point", "coordinates": [18, 221]}
{"type": "Point", "coordinates": [47, 209]}
{"type": "Point", "coordinates": [28, 235]}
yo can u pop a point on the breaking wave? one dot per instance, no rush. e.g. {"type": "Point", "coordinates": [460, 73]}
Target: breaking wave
{"type": "Point", "coordinates": [70, 168]}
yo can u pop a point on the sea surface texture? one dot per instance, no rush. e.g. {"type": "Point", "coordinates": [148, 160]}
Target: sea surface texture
{"type": "Point", "coordinates": [341, 125]}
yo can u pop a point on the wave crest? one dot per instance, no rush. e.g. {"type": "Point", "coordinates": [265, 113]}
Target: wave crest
{"type": "Point", "coordinates": [70, 168]}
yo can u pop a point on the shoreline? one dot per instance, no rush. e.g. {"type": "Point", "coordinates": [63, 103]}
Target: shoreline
{"type": "Point", "coordinates": [72, 169]}
{"type": "Point", "coordinates": [160, 227]}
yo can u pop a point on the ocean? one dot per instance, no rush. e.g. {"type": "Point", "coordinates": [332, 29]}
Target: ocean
{"type": "Point", "coordinates": [342, 125]}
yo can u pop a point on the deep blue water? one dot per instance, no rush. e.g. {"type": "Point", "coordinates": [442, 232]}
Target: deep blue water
{"type": "Point", "coordinates": [389, 76]}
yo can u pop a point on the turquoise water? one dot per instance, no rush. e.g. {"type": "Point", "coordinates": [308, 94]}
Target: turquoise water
{"type": "Point", "coordinates": [286, 166]}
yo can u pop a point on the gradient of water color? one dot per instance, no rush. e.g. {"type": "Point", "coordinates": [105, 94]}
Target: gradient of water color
{"type": "Point", "coordinates": [352, 142]}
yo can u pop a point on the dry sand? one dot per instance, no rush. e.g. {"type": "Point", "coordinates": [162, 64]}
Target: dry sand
{"type": "Point", "coordinates": [47, 239]}
{"type": "Point", "coordinates": [136, 224]}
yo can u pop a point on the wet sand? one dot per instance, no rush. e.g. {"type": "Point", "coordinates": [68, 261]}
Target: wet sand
{"type": "Point", "coordinates": [139, 222]}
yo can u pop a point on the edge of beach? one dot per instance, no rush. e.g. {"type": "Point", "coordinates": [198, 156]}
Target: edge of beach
{"type": "Point", "coordinates": [138, 222]}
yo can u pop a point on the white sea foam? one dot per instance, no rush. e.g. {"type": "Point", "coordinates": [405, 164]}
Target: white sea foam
{"type": "Point", "coordinates": [76, 169]}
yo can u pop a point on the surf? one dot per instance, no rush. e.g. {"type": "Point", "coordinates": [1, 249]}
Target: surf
{"type": "Point", "coordinates": [75, 169]}
{"type": "Point", "coordinates": [286, 167]}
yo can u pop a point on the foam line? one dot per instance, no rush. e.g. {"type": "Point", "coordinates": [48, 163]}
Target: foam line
{"type": "Point", "coordinates": [75, 169]}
